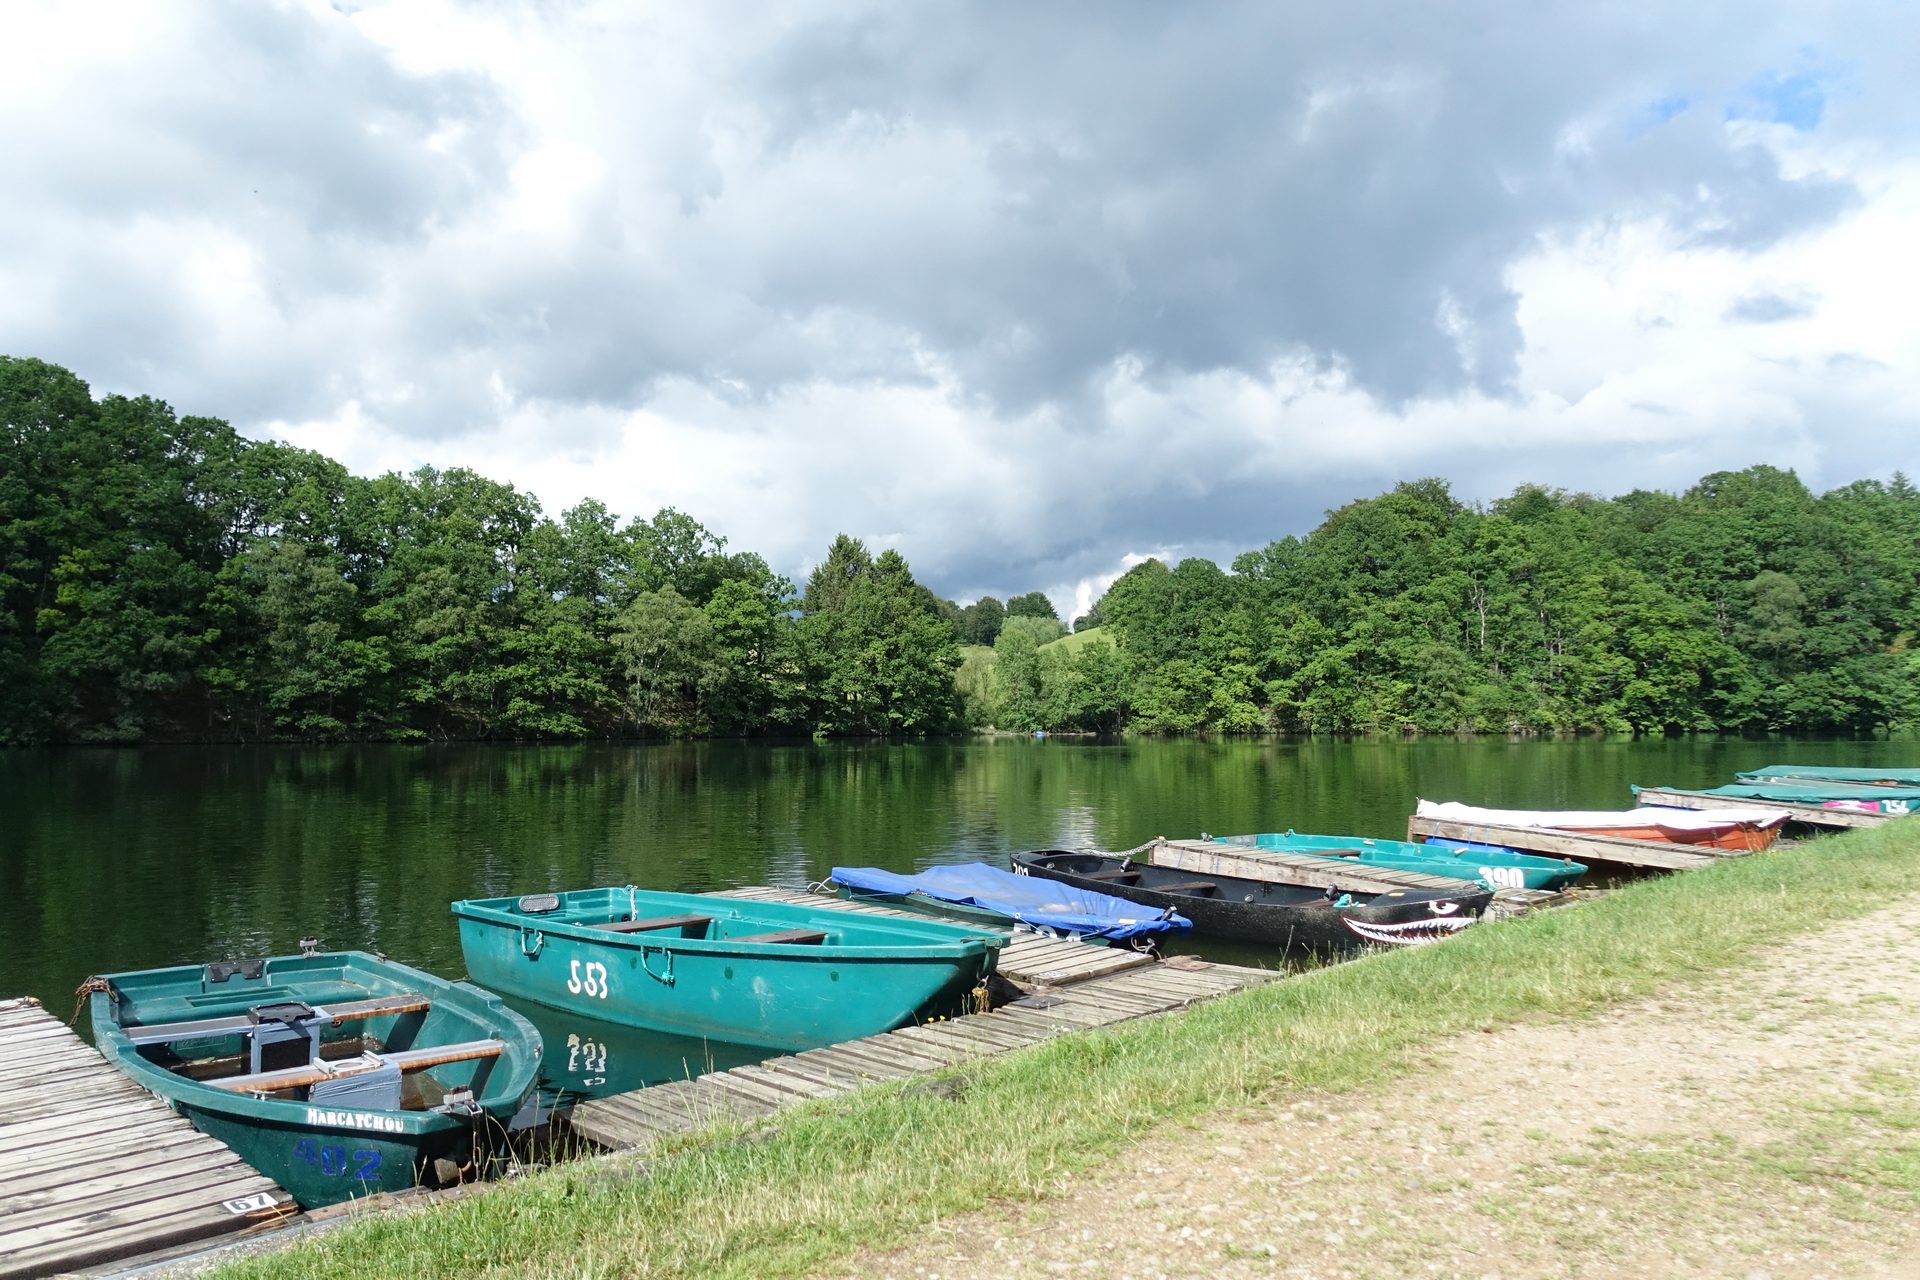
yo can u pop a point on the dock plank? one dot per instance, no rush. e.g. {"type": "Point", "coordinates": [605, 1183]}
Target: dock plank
{"type": "Point", "coordinates": [101, 1170]}
{"type": "Point", "coordinates": [1580, 846]}
{"type": "Point", "coordinates": [1217, 857]}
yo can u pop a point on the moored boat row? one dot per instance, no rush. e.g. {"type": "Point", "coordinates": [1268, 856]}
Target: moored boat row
{"type": "Point", "coordinates": [343, 1074]}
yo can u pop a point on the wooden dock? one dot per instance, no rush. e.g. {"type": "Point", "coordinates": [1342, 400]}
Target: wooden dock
{"type": "Point", "coordinates": [1221, 858]}
{"type": "Point", "coordinates": [1578, 845]}
{"type": "Point", "coordinates": [1076, 986]}
{"type": "Point", "coordinates": [1809, 815]}
{"type": "Point", "coordinates": [97, 1168]}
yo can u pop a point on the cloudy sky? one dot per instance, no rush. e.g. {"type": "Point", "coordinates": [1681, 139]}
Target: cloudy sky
{"type": "Point", "coordinates": [1022, 290]}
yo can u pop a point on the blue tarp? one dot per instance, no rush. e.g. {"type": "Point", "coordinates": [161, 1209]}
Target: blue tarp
{"type": "Point", "coordinates": [1030, 900]}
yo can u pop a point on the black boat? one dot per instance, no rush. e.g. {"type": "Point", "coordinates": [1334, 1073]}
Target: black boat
{"type": "Point", "coordinates": [1297, 916]}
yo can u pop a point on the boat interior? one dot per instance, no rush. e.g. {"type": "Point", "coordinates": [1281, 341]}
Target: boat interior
{"type": "Point", "coordinates": [638, 913]}
{"type": "Point", "coordinates": [1100, 871]}
{"type": "Point", "coordinates": [330, 1042]}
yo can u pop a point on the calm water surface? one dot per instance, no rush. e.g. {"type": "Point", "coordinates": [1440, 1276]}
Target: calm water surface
{"type": "Point", "coordinates": [117, 859]}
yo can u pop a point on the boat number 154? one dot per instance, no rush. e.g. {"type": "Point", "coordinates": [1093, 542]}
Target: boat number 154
{"type": "Point", "coordinates": [589, 979]}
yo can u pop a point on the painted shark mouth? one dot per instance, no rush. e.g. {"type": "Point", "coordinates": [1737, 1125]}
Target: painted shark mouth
{"type": "Point", "coordinates": [1410, 933]}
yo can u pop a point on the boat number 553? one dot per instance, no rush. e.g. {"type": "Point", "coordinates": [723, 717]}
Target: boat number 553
{"type": "Point", "coordinates": [589, 979]}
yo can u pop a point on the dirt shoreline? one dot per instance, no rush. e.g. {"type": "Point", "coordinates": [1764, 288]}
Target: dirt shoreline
{"type": "Point", "coordinates": [1759, 1124]}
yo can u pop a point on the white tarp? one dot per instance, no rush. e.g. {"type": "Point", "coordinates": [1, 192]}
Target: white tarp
{"type": "Point", "coordinates": [1601, 819]}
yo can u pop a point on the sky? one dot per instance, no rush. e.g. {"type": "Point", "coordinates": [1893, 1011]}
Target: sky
{"type": "Point", "coordinates": [1026, 292]}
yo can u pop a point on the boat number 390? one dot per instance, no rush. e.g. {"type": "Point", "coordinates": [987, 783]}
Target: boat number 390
{"type": "Point", "coordinates": [1504, 877]}
{"type": "Point", "coordinates": [338, 1162]}
{"type": "Point", "coordinates": [589, 979]}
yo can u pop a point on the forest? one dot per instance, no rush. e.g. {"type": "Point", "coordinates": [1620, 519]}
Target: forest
{"type": "Point", "coordinates": [163, 578]}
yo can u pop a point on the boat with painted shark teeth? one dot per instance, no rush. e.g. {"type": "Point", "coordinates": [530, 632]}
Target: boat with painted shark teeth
{"type": "Point", "coordinates": [1315, 917]}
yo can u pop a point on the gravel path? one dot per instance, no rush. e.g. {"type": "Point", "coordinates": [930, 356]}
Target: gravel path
{"type": "Point", "coordinates": [1764, 1124]}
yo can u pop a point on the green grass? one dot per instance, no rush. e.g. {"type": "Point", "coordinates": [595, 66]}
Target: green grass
{"type": "Point", "coordinates": [1073, 641]}
{"type": "Point", "coordinates": [875, 1167]}
{"type": "Point", "coordinates": [981, 655]}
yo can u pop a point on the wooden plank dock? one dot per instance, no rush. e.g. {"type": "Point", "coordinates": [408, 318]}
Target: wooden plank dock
{"type": "Point", "coordinates": [1078, 986]}
{"type": "Point", "coordinates": [1221, 858]}
{"type": "Point", "coordinates": [1810, 815]}
{"type": "Point", "coordinates": [98, 1169]}
{"type": "Point", "coordinates": [1578, 845]}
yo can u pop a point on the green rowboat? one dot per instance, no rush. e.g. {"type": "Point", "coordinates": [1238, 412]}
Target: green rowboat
{"type": "Point", "coordinates": [770, 974]}
{"type": "Point", "coordinates": [1799, 774]}
{"type": "Point", "coordinates": [336, 1074]}
{"type": "Point", "coordinates": [1896, 801]}
{"type": "Point", "coordinates": [1495, 866]}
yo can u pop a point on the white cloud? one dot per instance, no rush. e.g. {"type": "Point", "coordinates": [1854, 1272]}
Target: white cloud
{"type": "Point", "coordinates": [1022, 292]}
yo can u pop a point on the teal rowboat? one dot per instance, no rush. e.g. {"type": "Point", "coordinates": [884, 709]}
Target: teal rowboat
{"type": "Point", "coordinates": [770, 974]}
{"type": "Point", "coordinates": [1802, 774]}
{"type": "Point", "coordinates": [1495, 866]}
{"type": "Point", "coordinates": [336, 1074]}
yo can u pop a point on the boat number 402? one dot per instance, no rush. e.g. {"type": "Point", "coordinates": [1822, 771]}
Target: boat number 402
{"type": "Point", "coordinates": [589, 979]}
{"type": "Point", "coordinates": [339, 1162]}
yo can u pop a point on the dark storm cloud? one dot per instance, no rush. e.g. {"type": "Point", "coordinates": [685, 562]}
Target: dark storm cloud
{"type": "Point", "coordinates": [1213, 188]}
{"type": "Point", "coordinates": [1027, 193]}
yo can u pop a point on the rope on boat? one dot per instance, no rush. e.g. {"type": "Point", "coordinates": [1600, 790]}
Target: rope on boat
{"type": "Point", "coordinates": [81, 992]}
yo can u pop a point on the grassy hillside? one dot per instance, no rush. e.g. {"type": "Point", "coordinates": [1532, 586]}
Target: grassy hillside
{"type": "Point", "coordinates": [1075, 641]}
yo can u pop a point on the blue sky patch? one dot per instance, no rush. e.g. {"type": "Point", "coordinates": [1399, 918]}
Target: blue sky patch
{"type": "Point", "coordinates": [1797, 100]}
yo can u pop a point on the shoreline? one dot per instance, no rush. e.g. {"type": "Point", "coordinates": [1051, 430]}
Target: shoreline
{"type": "Point", "coordinates": [874, 1169]}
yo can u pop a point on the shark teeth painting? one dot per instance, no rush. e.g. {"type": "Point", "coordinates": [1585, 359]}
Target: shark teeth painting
{"type": "Point", "coordinates": [1412, 933]}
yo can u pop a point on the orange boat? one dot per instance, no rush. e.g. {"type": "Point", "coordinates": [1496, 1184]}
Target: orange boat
{"type": "Point", "coordinates": [1750, 830]}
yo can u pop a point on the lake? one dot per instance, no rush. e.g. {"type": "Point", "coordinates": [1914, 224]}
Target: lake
{"type": "Point", "coordinates": [116, 859]}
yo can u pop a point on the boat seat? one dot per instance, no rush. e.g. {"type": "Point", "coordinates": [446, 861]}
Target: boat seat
{"type": "Point", "coordinates": [797, 936]}
{"type": "Point", "coordinates": [1127, 874]}
{"type": "Point", "coordinates": [1186, 886]}
{"type": "Point", "coordinates": [437, 1055]}
{"type": "Point", "coordinates": [240, 1023]}
{"type": "Point", "coordinates": [655, 922]}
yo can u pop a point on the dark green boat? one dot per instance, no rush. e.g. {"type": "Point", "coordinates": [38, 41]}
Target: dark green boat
{"type": "Point", "coordinates": [769, 974]}
{"type": "Point", "coordinates": [336, 1074]}
{"type": "Point", "coordinates": [1810, 775]}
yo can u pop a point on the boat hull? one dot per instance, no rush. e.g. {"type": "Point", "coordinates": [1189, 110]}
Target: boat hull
{"type": "Point", "coordinates": [1815, 775]}
{"type": "Point", "coordinates": [1292, 917]}
{"type": "Point", "coordinates": [1893, 801]}
{"type": "Point", "coordinates": [324, 1151]}
{"type": "Point", "coordinates": [1747, 831]}
{"type": "Point", "coordinates": [869, 975]}
{"type": "Point", "coordinates": [1490, 865]}
{"type": "Point", "coordinates": [1743, 836]}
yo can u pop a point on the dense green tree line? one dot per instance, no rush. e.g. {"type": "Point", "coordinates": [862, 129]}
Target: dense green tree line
{"type": "Point", "coordinates": [1746, 603]}
{"type": "Point", "coordinates": [163, 577]}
